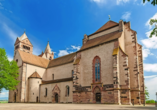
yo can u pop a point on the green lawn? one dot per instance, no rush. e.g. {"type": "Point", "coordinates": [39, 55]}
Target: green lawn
{"type": "Point", "coordinates": [4, 101]}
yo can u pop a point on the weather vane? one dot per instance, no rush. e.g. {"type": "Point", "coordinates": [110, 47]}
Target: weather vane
{"type": "Point", "coordinates": [109, 17]}
{"type": "Point", "coordinates": [24, 30]}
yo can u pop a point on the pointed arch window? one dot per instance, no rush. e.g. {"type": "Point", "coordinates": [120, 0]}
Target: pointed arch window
{"type": "Point", "coordinates": [67, 91]}
{"type": "Point", "coordinates": [96, 69]}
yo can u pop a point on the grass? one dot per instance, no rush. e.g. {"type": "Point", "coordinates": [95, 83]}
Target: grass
{"type": "Point", "coordinates": [3, 101]}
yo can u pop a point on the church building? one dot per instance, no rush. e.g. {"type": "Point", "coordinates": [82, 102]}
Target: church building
{"type": "Point", "coordinates": [108, 69]}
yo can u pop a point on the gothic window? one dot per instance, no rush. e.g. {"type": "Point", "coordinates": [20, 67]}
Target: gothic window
{"type": "Point", "coordinates": [96, 68]}
{"type": "Point", "coordinates": [67, 91]}
{"type": "Point", "coordinates": [45, 92]}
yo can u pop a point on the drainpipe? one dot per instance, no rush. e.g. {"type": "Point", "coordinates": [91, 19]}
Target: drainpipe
{"type": "Point", "coordinates": [25, 83]}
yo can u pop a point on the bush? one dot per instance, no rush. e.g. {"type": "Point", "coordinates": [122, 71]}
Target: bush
{"type": "Point", "coordinates": [150, 101]}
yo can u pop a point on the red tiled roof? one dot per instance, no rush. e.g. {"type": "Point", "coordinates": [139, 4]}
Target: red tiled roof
{"type": "Point", "coordinates": [109, 24]}
{"type": "Point", "coordinates": [35, 75]}
{"type": "Point", "coordinates": [100, 40]}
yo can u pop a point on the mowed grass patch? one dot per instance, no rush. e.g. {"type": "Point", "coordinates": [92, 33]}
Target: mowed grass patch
{"type": "Point", "coordinates": [3, 101]}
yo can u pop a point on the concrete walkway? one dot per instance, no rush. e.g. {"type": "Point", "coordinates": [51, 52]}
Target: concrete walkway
{"type": "Point", "coordinates": [39, 106]}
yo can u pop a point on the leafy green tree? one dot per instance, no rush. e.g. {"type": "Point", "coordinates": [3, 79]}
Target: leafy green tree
{"type": "Point", "coordinates": [152, 21]}
{"type": "Point", "coordinates": [8, 72]}
{"type": "Point", "coordinates": [154, 32]}
{"type": "Point", "coordinates": [153, 2]}
{"type": "Point", "coordinates": [146, 93]}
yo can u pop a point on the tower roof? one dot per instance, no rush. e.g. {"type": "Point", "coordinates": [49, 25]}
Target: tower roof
{"type": "Point", "coordinates": [108, 25]}
{"type": "Point", "coordinates": [24, 36]}
{"type": "Point", "coordinates": [48, 49]}
{"type": "Point", "coordinates": [35, 75]}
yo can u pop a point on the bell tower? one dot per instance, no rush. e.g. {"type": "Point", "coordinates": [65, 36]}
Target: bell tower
{"type": "Point", "coordinates": [23, 44]}
{"type": "Point", "coordinates": [48, 54]}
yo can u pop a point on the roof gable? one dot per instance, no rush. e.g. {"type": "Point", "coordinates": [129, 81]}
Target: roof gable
{"type": "Point", "coordinates": [109, 24]}
{"type": "Point", "coordinates": [35, 75]}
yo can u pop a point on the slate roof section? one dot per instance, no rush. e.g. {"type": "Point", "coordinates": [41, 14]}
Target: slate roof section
{"type": "Point", "coordinates": [108, 25]}
{"type": "Point", "coordinates": [101, 40]}
{"type": "Point", "coordinates": [33, 59]}
{"type": "Point", "coordinates": [35, 75]}
{"type": "Point", "coordinates": [62, 60]}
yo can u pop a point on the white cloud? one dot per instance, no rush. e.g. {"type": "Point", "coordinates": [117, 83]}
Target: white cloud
{"type": "Point", "coordinates": [126, 16]}
{"type": "Point", "coordinates": [68, 50]}
{"type": "Point", "coordinates": [4, 94]}
{"type": "Point", "coordinates": [150, 43]}
{"type": "Point", "coordinates": [99, 1]}
{"type": "Point", "coordinates": [117, 2]}
{"type": "Point", "coordinates": [122, 1]}
{"type": "Point", "coordinates": [152, 76]}
{"type": "Point", "coordinates": [76, 47]}
{"type": "Point", "coordinates": [150, 67]}
{"type": "Point", "coordinates": [146, 52]}
{"type": "Point", "coordinates": [62, 53]}
{"type": "Point", "coordinates": [151, 85]}
{"type": "Point", "coordinates": [147, 23]}
{"type": "Point", "coordinates": [10, 32]}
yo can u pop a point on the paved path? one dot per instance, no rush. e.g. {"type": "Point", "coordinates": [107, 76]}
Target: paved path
{"type": "Point", "coordinates": [29, 106]}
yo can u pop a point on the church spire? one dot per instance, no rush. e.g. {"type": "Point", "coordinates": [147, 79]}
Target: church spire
{"type": "Point", "coordinates": [48, 53]}
{"type": "Point", "coordinates": [48, 49]}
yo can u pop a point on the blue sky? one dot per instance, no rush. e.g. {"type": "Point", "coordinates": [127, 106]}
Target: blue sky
{"type": "Point", "coordinates": [64, 22]}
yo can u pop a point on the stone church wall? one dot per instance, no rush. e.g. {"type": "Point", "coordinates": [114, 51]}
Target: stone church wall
{"type": "Point", "coordinates": [59, 88]}
{"type": "Point", "coordinates": [86, 66]}
{"type": "Point", "coordinates": [60, 72]}
{"type": "Point", "coordinates": [131, 50]}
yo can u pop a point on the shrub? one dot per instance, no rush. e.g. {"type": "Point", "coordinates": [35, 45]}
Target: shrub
{"type": "Point", "coordinates": [150, 101]}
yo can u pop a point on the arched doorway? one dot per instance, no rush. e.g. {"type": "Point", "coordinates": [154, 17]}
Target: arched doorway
{"type": "Point", "coordinates": [15, 97]}
{"type": "Point", "coordinates": [56, 98]}
{"type": "Point", "coordinates": [36, 99]}
{"type": "Point", "coordinates": [98, 97]}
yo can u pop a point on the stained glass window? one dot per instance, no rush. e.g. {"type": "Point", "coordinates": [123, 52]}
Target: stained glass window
{"type": "Point", "coordinates": [97, 70]}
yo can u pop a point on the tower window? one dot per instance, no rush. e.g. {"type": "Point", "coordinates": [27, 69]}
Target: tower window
{"type": "Point", "coordinates": [25, 47]}
{"type": "Point", "coordinates": [52, 76]}
{"type": "Point", "coordinates": [17, 47]}
{"type": "Point", "coordinates": [50, 58]}
{"type": "Point", "coordinates": [16, 60]}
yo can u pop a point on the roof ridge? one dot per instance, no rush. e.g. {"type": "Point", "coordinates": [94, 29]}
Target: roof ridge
{"type": "Point", "coordinates": [65, 55]}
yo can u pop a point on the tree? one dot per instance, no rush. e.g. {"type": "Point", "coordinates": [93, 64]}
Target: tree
{"type": "Point", "coordinates": [146, 93]}
{"type": "Point", "coordinates": [154, 2]}
{"type": "Point", "coordinates": [152, 21]}
{"type": "Point", "coordinates": [8, 72]}
{"type": "Point", "coordinates": [154, 32]}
